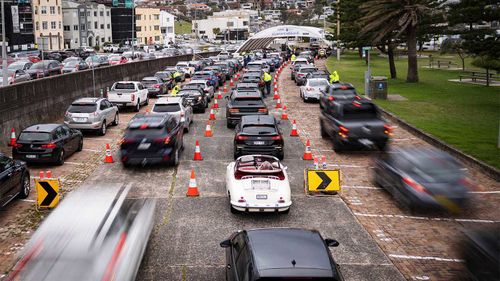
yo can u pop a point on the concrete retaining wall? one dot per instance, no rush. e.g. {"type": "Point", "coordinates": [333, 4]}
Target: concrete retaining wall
{"type": "Point", "coordinates": [46, 100]}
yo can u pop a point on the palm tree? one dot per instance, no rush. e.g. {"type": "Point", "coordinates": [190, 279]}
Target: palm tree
{"type": "Point", "coordinates": [386, 17]}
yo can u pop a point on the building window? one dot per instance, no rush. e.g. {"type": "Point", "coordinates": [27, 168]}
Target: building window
{"type": "Point", "coordinates": [76, 40]}
{"type": "Point", "coordinates": [156, 17]}
{"type": "Point", "coordinates": [44, 25]}
{"type": "Point", "coordinates": [66, 28]}
{"type": "Point", "coordinates": [157, 38]}
{"type": "Point", "coordinates": [37, 26]}
{"type": "Point", "coordinates": [170, 29]}
{"type": "Point", "coordinates": [95, 13]}
{"type": "Point", "coordinates": [157, 27]}
{"type": "Point", "coordinates": [230, 23]}
{"type": "Point", "coordinates": [101, 13]}
{"type": "Point", "coordinates": [109, 39]}
{"type": "Point", "coordinates": [36, 10]}
{"type": "Point", "coordinates": [102, 26]}
{"type": "Point", "coordinates": [107, 13]}
{"type": "Point", "coordinates": [88, 14]}
{"type": "Point", "coordinates": [43, 10]}
{"type": "Point", "coordinates": [138, 28]}
{"type": "Point", "coordinates": [138, 17]}
{"type": "Point", "coordinates": [149, 17]}
{"type": "Point", "coordinates": [245, 23]}
{"type": "Point", "coordinates": [52, 10]}
{"type": "Point", "coordinates": [168, 19]}
{"type": "Point", "coordinates": [82, 14]}
{"type": "Point", "coordinates": [102, 39]}
{"type": "Point", "coordinates": [59, 10]}
{"type": "Point", "coordinates": [108, 26]}
{"type": "Point", "coordinates": [60, 24]}
{"type": "Point", "coordinates": [53, 25]}
{"type": "Point", "coordinates": [75, 27]}
{"type": "Point", "coordinates": [82, 26]}
{"type": "Point", "coordinates": [95, 25]}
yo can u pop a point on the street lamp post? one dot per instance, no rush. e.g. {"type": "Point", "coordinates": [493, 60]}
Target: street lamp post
{"type": "Point", "coordinates": [4, 48]}
{"type": "Point", "coordinates": [133, 29]}
{"type": "Point", "coordinates": [338, 30]}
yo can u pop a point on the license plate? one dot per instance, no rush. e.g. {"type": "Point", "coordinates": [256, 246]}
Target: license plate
{"type": "Point", "coordinates": [80, 119]}
{"type": "Point", "coordinates": [261, 196]}
{"type": "Point", "coordinates": [260, 184]}
{"type": "Point", "coordinates": [143, 146]}
{"type": "Point", "coordinates": [30, 156]}
{"type": "Point", "coordinates": [258, 142]}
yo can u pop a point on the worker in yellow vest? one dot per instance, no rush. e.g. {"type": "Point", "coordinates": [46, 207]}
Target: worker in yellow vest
{"type": "Point", "coordinates": [175, 90]}
{"type": "Point", "coordinates": [334, 77]}
{"type": "Point", "coordinates": [267, 80]}
{"type": "Point", "coordinates": [293, 58]}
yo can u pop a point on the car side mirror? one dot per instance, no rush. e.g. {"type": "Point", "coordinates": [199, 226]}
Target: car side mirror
{"type": "Point", "coordinates": [226, 97]}
{"type": "Point", "coordinates": [332, 242]}
{"type": "Point", "coordinates": [225, 243]}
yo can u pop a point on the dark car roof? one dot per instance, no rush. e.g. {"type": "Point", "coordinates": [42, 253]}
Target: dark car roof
{"type": "Point", "coordinates": [341, 85]}
{"type": "Point", "coordinates": [257, 120]}
{"type": "Point", "coordinates": [152, 120]}
{"type": "Point", "coordinates": [247, 94]}
{"type": "Point", "coordinates": [45, 128]}
{"type": "Point", "coordinates": [247, 85]}
{"type": "Point", "coordinates": [277, 248]}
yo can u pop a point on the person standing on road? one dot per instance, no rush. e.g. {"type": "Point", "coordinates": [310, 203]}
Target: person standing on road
{"type": "Point", "coordinates": [334, 77]}
{"type": "Point", "coordinates": [267, 80]}
{"type": "Point", "coordinates": [293, 57]}
{"type": "Point", "coordinates": [175, 90]}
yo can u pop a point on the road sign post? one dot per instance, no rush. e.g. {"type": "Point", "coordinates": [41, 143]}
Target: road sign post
{"type": "Point", "coordinates": [47, 191]}
{"type": "Point", "coordinates": [322, 180]}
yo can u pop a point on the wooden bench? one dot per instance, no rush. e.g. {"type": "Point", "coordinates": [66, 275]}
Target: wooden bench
{"type": "Point", "coordinates": [448, 64]}
{"type": "Point", "coordinates": [475, 75]}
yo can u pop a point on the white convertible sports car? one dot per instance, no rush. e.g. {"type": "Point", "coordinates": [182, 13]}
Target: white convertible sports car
{"type": "Point", "coordinates": [258, 183]}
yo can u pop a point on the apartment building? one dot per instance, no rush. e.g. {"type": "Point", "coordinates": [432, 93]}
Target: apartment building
{"type": "Point", "coordinates": [147, 24]}
{"type": "Point", "coordinates": [228, 21]}
{"type": "Point", "coordinates": [18, 25]}
{"type": "Point", "coordinates": [48, 19]}
{"type": "Point", "coordinates": [167, 27]}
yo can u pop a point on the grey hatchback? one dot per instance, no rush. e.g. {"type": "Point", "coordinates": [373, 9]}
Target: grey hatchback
{"type": "Point", "coordinates": [92, 114]}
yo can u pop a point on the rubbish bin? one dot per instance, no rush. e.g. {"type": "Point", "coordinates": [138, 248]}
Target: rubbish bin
{"type": "Point", "coordinates": [378, 87]}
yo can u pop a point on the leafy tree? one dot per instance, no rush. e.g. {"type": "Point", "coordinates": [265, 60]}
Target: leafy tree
{"type": "Point", "coordinates": [385, 17]}
{"type": "Point", "coordinates": [454, 46]}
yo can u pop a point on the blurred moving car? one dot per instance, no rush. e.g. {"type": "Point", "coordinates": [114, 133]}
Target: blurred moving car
{"type": "Point", "coordinates": [92, 114]}
{"type": "Point", "coordinates": [94, 234]}
{"type": "Point", "coordinates": [480, 249]}
{"type": "Point", "coordinates": [423, 178]}
{"type": "Point", "coordinates": [313, 89]}
{"type": "Point", "coordinates": [152, 139]}
{"type": "Point", "coordinates": [47, 143]}
{"type": "Point", "coordinates": [338, 92]}
{"type": "Point", "coordinates": [15, 76]}
{"type": "Point", "coordinates": [155, 86]}
{"type": "Point", "coordinates": [15, 180]}
{"type": "Point", "coordinates": [44, 68]}
{"type": "Point", "coordinates": [259, 134]}
{"type": "Point", "coordinates": [280, 254]}
{"type": "Point", "coordinates": [176, 106]}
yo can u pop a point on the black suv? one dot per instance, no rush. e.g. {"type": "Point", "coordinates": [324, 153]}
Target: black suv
{"type": "Point", "coordinates": [14, 180]}
{"type": "Point", "coordinates": [280, 254]}
{"type": "Point", "coordinates": [196, 97]}
{"type": "Point", "coordinates": [318, 74]}
{"type": "Point", "coordinates": [338, 92]}
{"type": "Point", "coordinates": [258, 134]}
{"type": "Point", "coordinates": [241, 103]}
{"type": "Point", "coordinates": [47, 143]}
{"type": "Point", "coordinates": [152, 139]}
{"type": "Point", "coordinates": [354, 123]}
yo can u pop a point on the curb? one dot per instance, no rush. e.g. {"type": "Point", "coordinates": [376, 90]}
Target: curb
{"type": "Point", "coordinates": [491, 171]}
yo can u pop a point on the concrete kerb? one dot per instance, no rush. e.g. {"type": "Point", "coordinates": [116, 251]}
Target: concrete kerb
{"type": "Point", "coordinates": [487, 169]}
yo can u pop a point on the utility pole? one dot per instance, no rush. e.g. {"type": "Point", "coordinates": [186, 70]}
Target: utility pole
{"type": "Point", "coordinates": [4, 48]}
{"type": "Point", "coordinates": [133, 29]}
{"type": "Point", "coordinates": [338, 30]}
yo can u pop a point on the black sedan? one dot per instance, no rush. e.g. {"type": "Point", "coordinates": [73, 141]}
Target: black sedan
{"type": "Point", "coordinates": [480, 249]}
{"type": "Point", "coordinates": [152, 139]}
{"type": "Point", "coordinates": [196, 97]}
{"type": "Point", "coordinates": [14, 180]}
{"type": "Point", "coordinates": [241, 103]}
{"type": "Point", "coordinates": [423, 179]}
{"type": "Point", "coordinates": [280, 254]}
{"type": "Point", "coordinates": [47, 143]}
{"type": "Point", "coordinates": [258, 134]}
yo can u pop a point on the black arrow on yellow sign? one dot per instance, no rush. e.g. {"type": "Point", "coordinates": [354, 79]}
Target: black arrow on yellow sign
{"type": "Point", "coordinates": [51, 194]}
{"type": "Point", "coordinates": [325, 180]}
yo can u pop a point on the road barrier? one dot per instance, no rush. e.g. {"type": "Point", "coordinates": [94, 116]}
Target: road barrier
{"type": "Point", "coordinates": [46, 99]}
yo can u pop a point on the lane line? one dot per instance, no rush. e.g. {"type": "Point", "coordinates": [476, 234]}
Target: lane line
{"type": "Point", "coordinates": [424, 218]}
{"type": "Point", "coordinates": [485, 192]}
{"type": "Point", "coordinates": [361, 187]}
{"type": "Point", "coordinates": [407, 257]}
{"type": "Point", "coordinates": [28, 200]}
{"type": "Point", "coordinates": [73, 163]}
{"type": "Point", "coordinates": [92, 150]}
{"type": "Point", "coordinates": [103, 139]}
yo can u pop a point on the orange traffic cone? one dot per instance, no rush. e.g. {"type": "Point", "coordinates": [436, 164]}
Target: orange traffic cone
{"type": "Point", "coordinates": [238, 75]}
{"type": "Point", "coordinates": [219, 95]}
{"type": "Point", "coordinates": [109, 157]}
{"type": "Point", "coordinates": [212, 115]}
{"type": "Point", "coordinates": [316, 165]}
{"type": "Point", "coordinates": [42, 175]}
{"type": "Point", "coordinates": [12, 137]}
{"type": "Point", "coordinates": [197, 152]}
{"type": "Point", "coordinates": [323, 161]}
{"type": "Point", "coordinates": [276, 95]}
{"type": "Point", "coordinates": [275, 82]}
{"type": "Point", "coordinates": [308, 154]}
{"type": "Point", "coordinates": [231, 82]}
{"type": "Point", "coordinates": [294, 132]}
{"type": "Point", "coordinates": [216, 104]}
{"type": "Point", "coordinates": [208, 130]}
{"type": "Point", "coordinates": [49, 174]}
{"type": "Point", "coordinates": [284, 115]}
{"type": "Point", "coordinates": [278, 104]}
{"type": "Point", "coordinates": [192, 187]}
{"type": "Point", "coordinates": [147, 110]}
{"type": "Point", "coordinates": [275, 88]}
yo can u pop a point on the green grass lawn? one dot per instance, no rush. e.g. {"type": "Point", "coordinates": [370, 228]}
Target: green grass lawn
{"type": "Point", "coordinates": [464, 116]}
{"type": "Point", "coordinates": [182, 27]}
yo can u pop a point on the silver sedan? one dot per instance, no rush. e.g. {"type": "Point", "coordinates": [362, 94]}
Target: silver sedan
{"type": "Point", "coordinates": [313, 88]}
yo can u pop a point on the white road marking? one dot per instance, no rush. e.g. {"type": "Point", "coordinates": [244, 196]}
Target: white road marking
{"type": "Point", "coordinates": [485, 192]}
{"type": "Point", "coordinates": [349, 166]}
{"type": "Point", "coordinates": [425, 218]}
{"type": "Point", "coordinates": [73, 163]}
{"type": "Point", "coordinates": [28, 200]}
{"type": "Point", "coordinates": [92, 150]}
{"type": "Point", "coordinates": [361, 187]}
{"type": "Point", "coordinates": [102, 139]}
{"type": "Point", "coordinates": [424, 258]}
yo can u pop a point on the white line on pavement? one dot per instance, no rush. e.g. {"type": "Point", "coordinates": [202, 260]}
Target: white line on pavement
{"type": "Point", "coordinates": [91, 150]}
{"type": "Point", "coordinates": [102, 139]}
{"type": "Point", "coordinates": [424, 258]}
{"type": "Point", "coordinates": [485, 192]}
{"type": "Point", "coordinates": [28, 200]}
{"type": "Point", "coordinates": [73, 163]}
{"type": "Point", "coordinates": [361, 187]}
{"type": "Point", "coordinates": [425, 218]}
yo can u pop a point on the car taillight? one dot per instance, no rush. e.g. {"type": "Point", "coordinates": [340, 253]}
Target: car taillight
{"type": "Point", "coordinates": [356, 104]}
{"type": "Point", "coordinates": [126, 141]}
{"type": "Point", "coordinates": [388, 129]}
{"type": "Point", "coordinates": [157, 86]}
{"type": "Point", "coordinates": [143, 126]}
{"type": "Point", "coordinates": [49, 145]}
{"type": "Point", "coordinates": [357, 97]}
{"type": "Point", "coordinates": [281, 200]}
{"type": "Point", "coordinates": [331, 98]}
{"type": "Point", "coordinates": [262, 109]}
{"type": "Point", "coordinates": [413, 184]}
{"type": "Point", "coordinates": [343, 131]}
{"type": "Point", "coordinates": [109, 273]}
{"type": "Point", "coordinates": [17, 145]}
{"type": "Point", "coordinates": [240, 137]}
{"type": "Point", "coordinates": [234, 110]}
{"type": "Point", "coordinates": [33, 252]}
{"type": "Point", "coordinates": [132, 97]}
{"type": "Point", "coordinates": [242, 200]}
{"type": "Point", "coordinates": [276, 138]}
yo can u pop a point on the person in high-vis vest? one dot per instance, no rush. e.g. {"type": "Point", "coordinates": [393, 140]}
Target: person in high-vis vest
{"type": "Point", "coordinates": [267, 80]}
{"type": "Point", "coordinates": [334, 77]}
{"type": "Point", "coordinates": [177, 76]}
{"type": "Point", "coordinates": [175, 90]}
{"type": "Point", "coordinates": [293, 57]}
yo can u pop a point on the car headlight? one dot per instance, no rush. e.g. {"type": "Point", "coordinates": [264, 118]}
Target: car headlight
{"type": "Point", "coordinates": [199, 98]}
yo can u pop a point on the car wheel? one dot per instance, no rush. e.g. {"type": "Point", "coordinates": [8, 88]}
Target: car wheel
{"type": "Point", "coordinates": [147, 101]}
{"type": "Point", "coordinates": [80, 145]}
{"type": "Point", "coordinates": [382, 145]}
{"type": "Point", "coordinates": [60, 159]}
{"type": "Point", "coordinates": [203, 110]}
{"type": "Point", "coordinates": [324, 134]}
{"type": "Point", "coordinates": [337, 146]}
{"type": "Point", "coordinates": [229, 125]}
{"type": "Point", "coordinates": [126, 165]}
{"type": "Point", "coordinates": [206, 104]}
{"type": "Point", "coordinates": [236, 154]}
{"type": "Point", "coordinates": [102, 130]}
{"type": "Point", "coordinates": [286, 211]}
{"type": "Point", "coordinates": [281, 155]}
{"type": "Point", "coordinates": [25, 187]}
{"type": "Point", "coordinates": [186, 129]}
{"type": "Point", "coordinates": [116, 121]}
{"type": "Point", "coordinates": [403, 202]}
{"type": "Point", "coordinates": [137, 106]}
{"type": "Point", "coordinates": [175, 160]}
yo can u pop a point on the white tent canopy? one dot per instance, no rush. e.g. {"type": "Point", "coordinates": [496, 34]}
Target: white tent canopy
{"type": "Point", "coordinates": [264, 38]}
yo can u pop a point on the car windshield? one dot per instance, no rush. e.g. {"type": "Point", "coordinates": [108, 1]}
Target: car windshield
{"type": "Point", "coordinates": [147, 132]}
{"type": "Point", "coordinates": [124, 86]}
{"type": "Point", "coordinates": [317, 83]}
{"type": "Point", "coordinates": [307, 70]}
{"type": "Point", "coordinates": [38, 65]}
{"type": "Point", "coordinates": [435, 169]}
{"type": "Point", "coordinates": [347, 93]}
{"type": "Point", "coordinates": [115, 58]}
{"type": "Point", "coordinates": [365, 111]}
{"type": "Point", "coordinates": [16, 66]}
{"type": "Point", "coordinates": [189, 93]}
{"type": "Point", "coordinates": [248, 101]}
{"type": "Point", "coordinates": [71, 63]}
{"type": "Point", "coordinates": [34, 136]}
{"type": "Point", "coordinates": [173, 107]}
{"type": "Point", "coordinates": [259, 130]}
{"type": "Point", "coordinates": [82, 108]}
{"type": "Point", "coordinates": [198, 84]}
{"type": "Point", "coordinates": [149, 81]}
